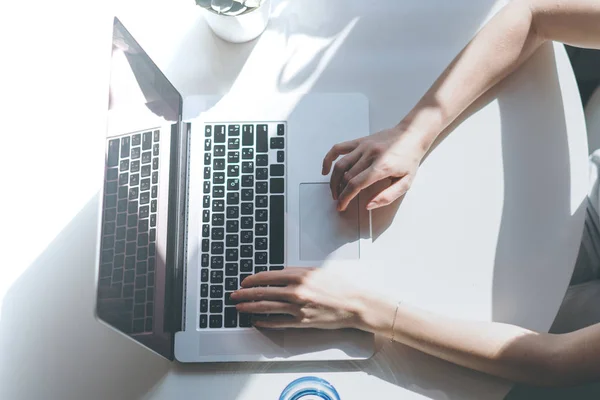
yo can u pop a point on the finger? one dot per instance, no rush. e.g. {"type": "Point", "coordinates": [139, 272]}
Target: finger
{"type": "Point", "coordinates": [340, 169]}
{"type": "Point", "coordinates": [287, 276]}
{"type": "Point", "coordinates": [390, 194]}
{"type": "Point", "coordinates": [268, 307]}
{"type": "Point", "coordinates": [336, 151]}
{"type": "Point", "coordinates": [272, 293]}
{"type": "Point", "coordinates": [277, 322]}
{"type": "Point", "coordinates": [363, 180]}
{"type": "Point", "coordinates": [356, 169]}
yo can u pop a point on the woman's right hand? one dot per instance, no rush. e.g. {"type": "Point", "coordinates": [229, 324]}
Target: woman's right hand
{"type": "Point", "coordinates": [393, 154]}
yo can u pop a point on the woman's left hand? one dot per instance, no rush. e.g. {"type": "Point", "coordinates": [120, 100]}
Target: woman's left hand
{"type": "Point", "coordinates": [299, 298]}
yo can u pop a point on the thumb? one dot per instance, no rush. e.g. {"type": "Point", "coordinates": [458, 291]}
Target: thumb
{"type": "Point", "coordinates": [391, 193]}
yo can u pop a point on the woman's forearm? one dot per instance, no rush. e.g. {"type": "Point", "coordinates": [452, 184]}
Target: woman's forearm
{"type": "Point", "coordinates": [498, 49]}
{"type": "Point", "coordinates": [498, 349]}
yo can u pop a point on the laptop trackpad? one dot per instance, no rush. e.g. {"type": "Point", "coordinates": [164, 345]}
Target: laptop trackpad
{"type": "Point", "coordinates": [326, 233]}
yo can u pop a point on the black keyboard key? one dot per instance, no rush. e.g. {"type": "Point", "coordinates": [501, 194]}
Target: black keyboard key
{"type": "Point", "coordinates": [155, 149]}
{"type": "Point", "coordinates": [204, 260]}
{"type": "Point", "coordinates": [233, 144]}
{"type": "Point", "coordinates": [122, 205]}
{"type": "Point", "coordinates": [262, 160]}
{"type": "Point", "coordinates": [145, 171]}
{"type": "Point", "coordinates": [207, 159]}
{"type": "Point", "coordinates": [261, 230]}
{"type": "Point", "coordinates": [141, 267]}
{"type": "Point", "coordinates": [129, 262]}
{"type": "Point", "coordinates": [231, 269]}
{"type": "Point", "coordinates": [218, 206]}
{"type": "Point", "coordinates": [204, 275]}
{"type": "Point", "coordinates": [132, 220]}
{"type": "Point", "coordinates": [109, 242]}
{"type": "Point", "coordinates": [262, 202]}
{"type": "Point", "coordinates": [219, 150]}
{"type": "Point", "coordinates": [216, 248]}
{"type": "Point", "coordinates": [152, 249]}
{"type": "Point", "coordinates": [110, 201]}
{"type": "Point", "coordinates": [216, 306]}
{"type": "Point", "coordinates": [233, 130]}
{"type": "Point", "coordinates": [110, 214]}
{"type": "Point", "coordinates": [205, 230]}
{"type": "Point", "coordinates": [247, 181]}
{"type": "Point", "coordinates": [261, 139]}
{"type": "Point", "coordinates": [145, 185]}
{"type": "Point", "coordinates": [277, 143]}
{"type": "Point", "coordinates": [233, 184]}
{"type": "Point", "coordinates": [247, 167]}
{"type": "Point", "coordinates": [216, 276]}
{"type": "Point", "coordinates": [247, 208]}
{"type": "Point", "coordinates": [218, 192]}
{"type": "Point", "coordinates": [228, 301]}
{"type": "Point", "coordinates": [109, 228]}
{"type": "Point", "coordinates": [277, 170]}
{"type": "Point", "coordinates": [231, 284]}
{"type": "Point", "coordinates": [248, 135]}
{"type": "Point", "coordinates": [203, 323]}
{"type": "Point", "coordinates": [277, 185]}
{"type": "Point", "coordinates": [219, 178]}
{"type": "Point", "coordinates": [142, 253]}
{"type": "Point", "coordinates": [123, 192]}
{"type": "Point", "coordinates": [144, 212]}
{"type": "Point", "coordinates": [147, 141]}
{"type": "Point", "coordinates": [262, 215]}
{"type": "Point", "coordinates": [233, 198]}
{"type": "Point", "coordinates": [260, 269]}
{"type": "Point", "coordinates": [125, 146]}
{"type": "Point", "coordinates": [112, 174]}
{"type": "Point", "coordinates": [155, 163]}
{"type": "Point", "coordinates": [246, 237]}
{"type": "Point", "coordinates": [276, 230]}
{"type": "Point", "coordinates": [219, 133]}
{"type": "Point", "coordinates": [275, 267]}
{"type": "Point", "coordinates": [247, 153]}
{"type": "Point", "coordinates": [152, 235]}
{"type": "Point", "coordinates": [246, 251]}
{"type": "Point", "coordinates": [246, 265]}
{"type": "Point", "coordinates": [280, 129]}
{"type": "Point", "coordinates": [206, 216]}
{"type": "Point", "coordinates": [247, 194]}
{"type": "Point", "coordinates": [135, 153]}
{"type": "Point", "coordinates": [154, 178]}
{"type": "Point", "coordinates": [216, 291]}
{"type": "Point", "coordinates": [131, 234]}
{"type": "Point", "coordinates": [205, 245]}
{"type": "Point", "coordinates": [134, 180]}
{"type": "Point", "coordinates": [260, 258]}
{"type": "Point", "coordinates": [219, 164]}
{"type": "Point", "coordinates": [231, 255]}
{"type": "Point", "coordinates": [232, 226]}
{"type": "Point", "coordinates": [233, 212]}
{"type": "Point", "coordinates": [207, 145]}
{"type": "Point", "coordinates": [204, 290]}
{"type": "Point", "coordinates": [153, 205]}
{"type": "Point", "coordinates": [154, 192]}
{"type": "Point", "coordinates": [260, 243]}
{"type": "Point", "coordinates": [142, 239]}
{"type": "Point", "coordinates": [206, 187]}
{"type": "Point", "coordinates": [124, 165]}
{"type": "Point", "coordinates": [245, 320]}
{"type": "Point", "coordinates": [262, 174]}
{"type": "Point", "coordinates": [153, 220]}
{"type": "Point", "coordinates": [145, 198]}
{"type": "Point", "coordinates": [207, 172]}
{"type": "Point", "coordinates": [208, 131]}
{"type": "Point", "coordinates": [146, 157]}
{"type": "Point", "coordinates": [233, 170]}
{"type": "Point", "coordinates": [262, 187]}
{"type": "Point", "coordinates": [280, 156]}
{"type": "Point", "coordinates": [232, 240]}
{"type": "Point", "coordinates": [203, 305]}
{"type": "Point", "coordinates": [135, 166]}
{"type": "Point", "coordinates": [218, 219]}
{"type": "Point", "coordinates": [233, 157]}
{"type": "Point", "coordinates": [136, 140]}
{"type": "Point", "coordinates": [216, 321]}
{"type": "Point", "coordinates": [247, 222]}
{"type": "Point", "coordinates": [111, 187]}
{"type": "Point", "coordinates": [216, 262]}
{"type": "Point", "coordinates": [230, 317]}
{"type": "Point", "coordinates": [206, 201]}
{"type": "Point", "coordinates": [112, 159]}
{"type": "Point", "coordinates": [121, 231]}
{"type": "Point", "coordinates": [121, 219]}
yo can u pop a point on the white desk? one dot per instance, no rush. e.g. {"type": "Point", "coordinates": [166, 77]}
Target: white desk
{"type": "Point", "coordinates": [490, 229]}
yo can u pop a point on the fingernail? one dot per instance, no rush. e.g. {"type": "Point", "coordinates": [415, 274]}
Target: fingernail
{"type": "Point", "coordinates": [370, 206]}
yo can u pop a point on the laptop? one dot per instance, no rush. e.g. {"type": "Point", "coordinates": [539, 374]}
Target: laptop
{"type": "Point", "coordinates": [193, 204]}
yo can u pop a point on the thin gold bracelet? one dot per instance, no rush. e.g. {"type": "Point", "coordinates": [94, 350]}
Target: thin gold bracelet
{"type": "Point", "coordinates": [394, 321]}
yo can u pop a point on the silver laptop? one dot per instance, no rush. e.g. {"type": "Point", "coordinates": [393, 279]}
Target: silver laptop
{"type": "Point", "coordinates": [193, 206]}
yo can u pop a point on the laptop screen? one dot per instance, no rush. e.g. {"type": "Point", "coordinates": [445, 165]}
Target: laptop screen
{"type": "Point", "coordinates": [135, 284]}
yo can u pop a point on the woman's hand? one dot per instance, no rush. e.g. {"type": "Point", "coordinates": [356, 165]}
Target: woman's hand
{"type": "Point", "coordinates": [299, 298]}
{"type": "Point", "coordinates": [392, 154]}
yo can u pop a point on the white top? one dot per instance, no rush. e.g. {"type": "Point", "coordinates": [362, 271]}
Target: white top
{"type": "Point", "coordinates": [490, 229]}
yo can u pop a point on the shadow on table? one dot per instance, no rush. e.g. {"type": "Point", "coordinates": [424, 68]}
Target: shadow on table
{"type": "Point", "coordinates": [52, 347]}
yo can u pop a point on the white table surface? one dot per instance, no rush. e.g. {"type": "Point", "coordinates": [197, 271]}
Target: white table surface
{"type": "Point", "coordinates": [489, 231]}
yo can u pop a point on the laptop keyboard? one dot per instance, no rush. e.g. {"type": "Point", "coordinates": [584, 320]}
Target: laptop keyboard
{"type": "Point", "coordinates": [128, 252]}
{"type": "Point", "coordinates": [242, 214]}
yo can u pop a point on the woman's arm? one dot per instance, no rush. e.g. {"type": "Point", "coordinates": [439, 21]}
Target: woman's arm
{"type": "Point", "coordinates": [498, 349]}
{"type": "Point", "coordinates": [506, 41]}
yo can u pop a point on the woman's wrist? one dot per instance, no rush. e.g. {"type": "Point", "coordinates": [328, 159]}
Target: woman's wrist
{"type": "Point", "coordinates": [421, 127]}
{"type": "Point", "coordinates": [375, 314]}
